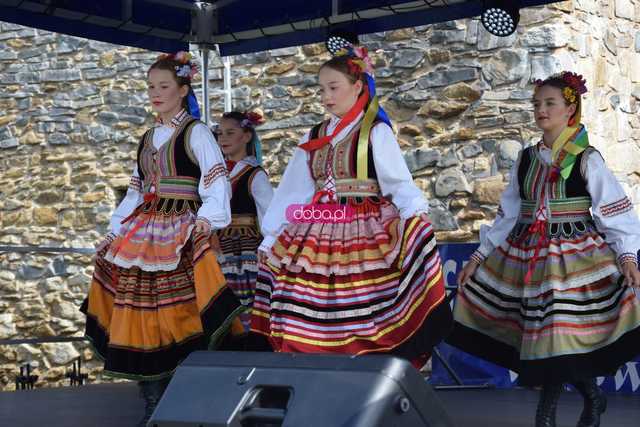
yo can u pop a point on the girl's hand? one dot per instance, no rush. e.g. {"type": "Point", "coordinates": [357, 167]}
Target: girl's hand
{"type": "Point", "coordinates": [631, 274]}
{"type": "Point", "coordinates": [466, 273]}
{"type": "Point", "coordinates": [105, 243]}
{"type": "Point", "coordinates": [203, 226]}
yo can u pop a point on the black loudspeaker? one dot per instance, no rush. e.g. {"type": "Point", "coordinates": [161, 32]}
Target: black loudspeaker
{"type": "Point", "coordinates": [244, 389]}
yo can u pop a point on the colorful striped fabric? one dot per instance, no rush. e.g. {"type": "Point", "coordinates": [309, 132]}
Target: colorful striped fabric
{"type": "Point", "coordinates": [372, 285]}
{"type": "Point", "coordinates": [239, 244]}
{"type": "Point", "coordinates": [178, 187]}
{"type": "Point", "coordinates": [156, 244]}
{"type": "Point", "coordinates": [576, 318]}
{"type": "Point", "coordinates": [144, 323]}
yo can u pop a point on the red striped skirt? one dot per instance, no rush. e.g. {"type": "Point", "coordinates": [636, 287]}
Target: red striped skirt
{"type": "Point", "coordinates": [374, 284]}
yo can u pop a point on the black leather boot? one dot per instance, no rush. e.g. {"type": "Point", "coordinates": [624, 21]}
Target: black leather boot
{"type": "Point", "coordinates": [595, 403]}
{"type": "Point", "coordinates": [151, 392]}
{"type": "Point", "coordinates": [546, 412]}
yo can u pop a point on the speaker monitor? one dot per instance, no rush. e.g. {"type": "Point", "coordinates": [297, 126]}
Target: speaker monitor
{"type": "Point", "coordinates": [245, 389]}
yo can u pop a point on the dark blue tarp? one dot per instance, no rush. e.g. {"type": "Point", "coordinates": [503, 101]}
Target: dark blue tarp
{"type": "Point", "coordinates": [241, 26]}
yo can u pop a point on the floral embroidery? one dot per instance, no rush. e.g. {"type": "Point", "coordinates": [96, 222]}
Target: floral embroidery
{"type": "Point", "coordinates": [616, 208]}
{"type": "Point", "coordinates": [216, 171]}
{"type": "Point", "coordinates": [135, 184]}
{"type": "Point", "coordinates": [627, 257]}
{"type": "Point", "coordinates": [477, 257]}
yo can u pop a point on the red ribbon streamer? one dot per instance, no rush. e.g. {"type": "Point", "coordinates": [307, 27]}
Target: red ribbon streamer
{"type": "Point", "coordinates": [539, 227]}
{"type": "Point", "coordinates": [317, 143]}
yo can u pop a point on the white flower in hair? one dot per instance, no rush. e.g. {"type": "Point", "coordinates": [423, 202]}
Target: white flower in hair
{"type": "Point", "coordinates": [183, 70]}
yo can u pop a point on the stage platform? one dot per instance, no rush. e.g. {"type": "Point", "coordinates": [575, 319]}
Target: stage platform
{"type": "Point", "coordinates": [111, 405]}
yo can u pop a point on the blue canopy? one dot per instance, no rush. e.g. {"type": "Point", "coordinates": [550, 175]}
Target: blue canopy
{"type": "Point", "coordinates": [236, 26]}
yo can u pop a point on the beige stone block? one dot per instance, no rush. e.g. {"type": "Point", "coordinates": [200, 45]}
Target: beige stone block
{"type": "Point", "coordinates": [398, 113]}
{"type": "Point", "coordinates": [401, 34]}
{"type": "Point", "coordinates": [460, 202]}
{"type": "Point", "coordinates": [67, 219]}
{"type": "Point", "coordinates": [489, 190]}
{"type": "Point", "coordinates": [282, 68]}
{"type": "Point", "coordinates": [454, 236]}
{"type": "Point", "coordinates": [443, 109]}
{"type": "Point", "coordinates": [138, 84]}
{"type": "Point", "coordinates": [471, 214]}
{"type": "Point", "coordinates": [5, 120]}
{"type": "Point", "coordinates": [481, 164]}
{"type": "Point", "coordinates": [433, 127]}
{"type": "Point", "coordinates": [565, 6]}
{"type": "Point", "coordinates": [45, 216]}
{"type": "Point", "coordinates": [266, 81]}
{"type": "Point", "coordinates": [438, 56]}
{"type": "Point", "coordinates": [311, 67]}
{"type": "Point", "coordinates": [461, 92]}
{"type": "Point", "coordinates": [107, 59]}
{"type": "Point", "coordinates": [313, 49]}
{"type": "Point", "coordinates": [634, 67]}
{"type": "Point", "coordinates": [410, 129]}
{"type": "Point", "coordinates": [464, 134]}
{"type": "Point", "coordinates": [18, 43]}
{"type": "Point", "coordinates": [122, 125]}
{"type": "Point", "coordinates": [119, 182]}
{"type": "Point", "coordinates": [16, 218]}
{"type": "Point", "coordinates": [93, 197]}
{"type": "Point", "coordinates": [601, 71]}
{"type": "Point", "coordinates": [622, 157]}
{"type": "Point", "coordinates": [302, 93]}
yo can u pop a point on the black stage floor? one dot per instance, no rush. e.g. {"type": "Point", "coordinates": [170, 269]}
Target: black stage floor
{"type": "Point", "coordinates": [110, 405]}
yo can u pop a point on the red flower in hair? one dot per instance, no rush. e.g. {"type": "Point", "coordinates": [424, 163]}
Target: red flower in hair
{"type": "Point", "coordinates": [255, 118]}
{"type": "Point", "coordinates": [354, 69]}
{"type": "Point", "coordinates": [251, 119]}
{"type": "Point", "coordinates": [575, 81]}
{"type": "Point", "coordinates": [572, 80]}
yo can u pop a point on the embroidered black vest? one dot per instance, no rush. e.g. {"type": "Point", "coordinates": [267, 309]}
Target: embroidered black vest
{"type": "Point", "coordinates": [242, 202]}
{"type": "Point", "coordinates": [171, 171]}
{"type": "Point", "coordinates": [342, 159]}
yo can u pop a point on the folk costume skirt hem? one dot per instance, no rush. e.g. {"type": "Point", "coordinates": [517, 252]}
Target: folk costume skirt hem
{"type": "Point", "coordinates": [144, 323]}
{"type": "Point", "coordinates": [575, 318]}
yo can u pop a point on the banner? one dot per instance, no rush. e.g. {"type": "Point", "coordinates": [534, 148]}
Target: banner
{"type": "Point", "coordinates": [475, 371]}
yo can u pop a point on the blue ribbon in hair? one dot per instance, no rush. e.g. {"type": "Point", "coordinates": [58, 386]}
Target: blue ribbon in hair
{"type": "Point", "coordinates": [192, 104]}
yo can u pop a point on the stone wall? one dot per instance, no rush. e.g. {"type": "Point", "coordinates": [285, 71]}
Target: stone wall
{"type": "Point", "coordinates": [72, 110]}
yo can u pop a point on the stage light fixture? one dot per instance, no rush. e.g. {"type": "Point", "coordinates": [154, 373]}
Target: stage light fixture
{"type": "Point", "coordinates": [500, 17]}
{"type": "Point", "coordinates": [340, 38]}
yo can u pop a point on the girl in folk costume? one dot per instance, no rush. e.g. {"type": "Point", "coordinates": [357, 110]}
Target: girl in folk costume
{"type": "Point", "coordinates": [251, 195]}
{"type": "Point", "coordinates": [157, 292]}
{"type": "Point", "coordinates": [372, 282]}
{"type": "Point", "coordinates": [548, 294]}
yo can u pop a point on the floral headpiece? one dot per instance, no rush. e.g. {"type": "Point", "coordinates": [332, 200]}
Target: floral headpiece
{"type": "Point", "coordinates": [187, 68]}
{"type": "Point", "coordinates": [359, 60]}
{"type": "Point", "coordinates": [252, 120]}
{"type": "Point", "coordinates": [576, 85]}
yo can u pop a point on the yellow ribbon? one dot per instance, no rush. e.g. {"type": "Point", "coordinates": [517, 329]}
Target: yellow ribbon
{"type": "Point", "coordinates": [565, 136]}
{"type": "Point", "coordinates": [362, 160]}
